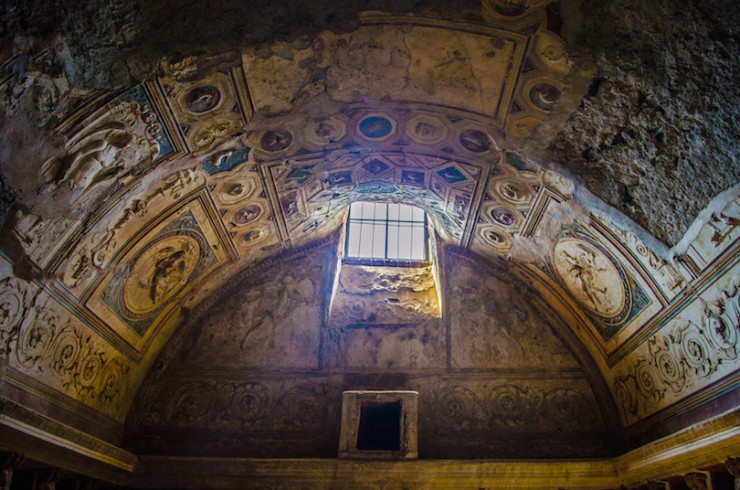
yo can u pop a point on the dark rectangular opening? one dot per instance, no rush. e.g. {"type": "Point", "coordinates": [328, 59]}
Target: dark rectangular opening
{"type": "Point", "coordinates": [380, 427]}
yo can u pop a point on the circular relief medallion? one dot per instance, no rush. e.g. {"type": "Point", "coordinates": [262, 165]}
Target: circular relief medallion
{"type": "Point", "coordinates": [326, 131]}
{"type": "Point", "coordinates": [202, 99]}
{"type": "Point", "coordinates": [496, 238]}
{"type": "Point", "coordinates": [592, 277]}
{"type": "Point", "coordinates": [160, 272]}
{"type": "Point", "coordinates": [424, 129]}
{"type": "Point", "coordinates": [235, 191]}
{"type": "Point", "coordinates": [513, 192]}
{"type": "Point", "coordinates": [253, 236]}
{"type": "Point", "coordinates": [375, 127]}
{"type": "Point", "coordinates": [247, 214]}
{"type": "Point", "coordinates": [503, 216]}
{"type": "Point", "coordinates": [544, 96]}
{"type": "Point", "coordinates": [276, 140]}
{"type": "Point", "coordinates": [510, 8]}
{"type": "Point", "coordinates": [476, 141]}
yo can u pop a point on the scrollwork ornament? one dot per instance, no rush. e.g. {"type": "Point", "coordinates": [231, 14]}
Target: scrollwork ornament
{"type": "Point", "coordinates": [111, 380]}
{"type": "Point", "coordinates": [626, 393]}
{"type": "Point", "coordinates": [301, 408]}
{"type": "Point", "coordinates": [646, 382]}
{"type": "Point", "coordinates": [34, 342]}
{"type": "Point", "coordinates": [461, 407]}
{"type": "Point", "coordinates": [67, 350]}
{"type": "Point", "coordinates": [670, 370]}
{"type": "Point", "coordinates": [565, 407]}
{"type": "Point", "coordinates": [513, 406]}
{"type": "Point", "coordinates": [13, 295]}
{"type": "Point", "coordinates": [720, 328]}
{"type": "Point", "coordinates": [671, 277]}
{"type": "Point", "coordinates": [191, 402]}
{"type": "Point", "coordinates": [90, 368]}
{"type": "Point", "coordinates": [248, 403]}
{"type": "Point", "coordinates": [694, 349]}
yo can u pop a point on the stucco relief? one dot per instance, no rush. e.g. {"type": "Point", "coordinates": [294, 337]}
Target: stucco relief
{"type": "Point", "coordinates": [664, 273]}
{"type": "Point", "coordinates": [260, 404]}
{"type": "Point", "coordinates": [598, 280]}
{"type": "Point", "coordinates": [311, 193]}
{"type": "Point", "coordinates": [496, 418]}
{"type": "Point", "coordinates": [205, 105]}
{"type": "Point", "coordinates": [388, 348]}
{"type": "Point", "coordinates": [717, 234]}
{"type": "Point", "coordinates": [507, 205]}
{"type": "Point", "coordinates": [40, 238]}
{"type": "Point", "coordinates": [696, 347]}
{"type": "Point", "coordinates": [43, 340]}
{"type": "Point", "coordinates": [14, 302]}
{"type": "Point", "coordinates": [144, 281]}
{"type": "Point", "coordinates": [109, 147]}
{"type": "Point", "coordinates": [262, 416]}
{"type": "Point", "coordinates": [272, 321]}
{"type": "Point", "coordinates": [590, 276]}
{"type": "Point", "coordinates": [40, 77]}
{"type": "Point", "coordinates": [509, 330]}
{"type": "Point", "coordinates": [242, 202]}
{"type": "Point", "coordinates": [424, 61]}
{"type": "Point", "coordinates": [377, 295]}
{"type": "Point", "coordinates": [517, 406]}
{"type": "Point", "coordinates": [94, 252]}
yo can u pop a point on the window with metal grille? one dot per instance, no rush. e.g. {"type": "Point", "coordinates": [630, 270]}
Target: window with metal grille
{"type": "Point", "coordinates": [386, 234]}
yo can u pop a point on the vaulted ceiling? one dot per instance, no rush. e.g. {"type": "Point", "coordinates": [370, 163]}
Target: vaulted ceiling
{"type": "Point", "coordinates": [175, 197]}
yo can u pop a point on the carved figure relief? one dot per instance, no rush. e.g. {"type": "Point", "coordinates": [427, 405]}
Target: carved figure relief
{"type": "Point", "coordinates": [202, 99]}
{"type": "Point", "coordinates": [715, 238]}
{"type": "Point", "coordinates": [273, 320]}
{"type": "Point", "coordinates": [95, 251]}
{"type": "Point", "coordinates": [41, 238]}
{"type": "Point", "coordinates": [107, 149]}
{"type": "Point", "coordinates": [156, 271]}
{"type": "Point", "coordinates": [597, 281]}
{"type": "Point", "coordinates": [160, 271]}
{"type": "Point", "coordinates": [41, 77]}
{"type": "Point", "coordinates": [267, 311]}
{"type": "Point", "coordinates": [591, 276]}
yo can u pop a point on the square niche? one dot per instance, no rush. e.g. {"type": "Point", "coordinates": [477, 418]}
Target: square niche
{"type": "Point", "coordinates": [379, 425]}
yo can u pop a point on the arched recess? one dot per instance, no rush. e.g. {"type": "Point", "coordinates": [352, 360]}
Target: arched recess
{"type": "Point", "coordinates": [257, 371]}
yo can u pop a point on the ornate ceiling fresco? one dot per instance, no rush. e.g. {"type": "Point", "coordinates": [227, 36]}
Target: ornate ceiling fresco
{"type": "Point", "coordinates": [165, 277]}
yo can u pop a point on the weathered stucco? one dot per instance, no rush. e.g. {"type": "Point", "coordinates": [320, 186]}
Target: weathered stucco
{"type": "Point", "coordinates": [656, 135]}
{"type": "Point", "coordinates": [483, 377]}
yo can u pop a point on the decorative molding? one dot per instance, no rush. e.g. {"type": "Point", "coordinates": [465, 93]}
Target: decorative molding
{"type": "Point", "coordinates": [95, 449]}
{"type": "Point", "coordinates": [686, 353]}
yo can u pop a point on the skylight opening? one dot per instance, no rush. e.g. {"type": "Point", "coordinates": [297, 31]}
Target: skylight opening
{"type": "Point", "coordinates": [389, 234]}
